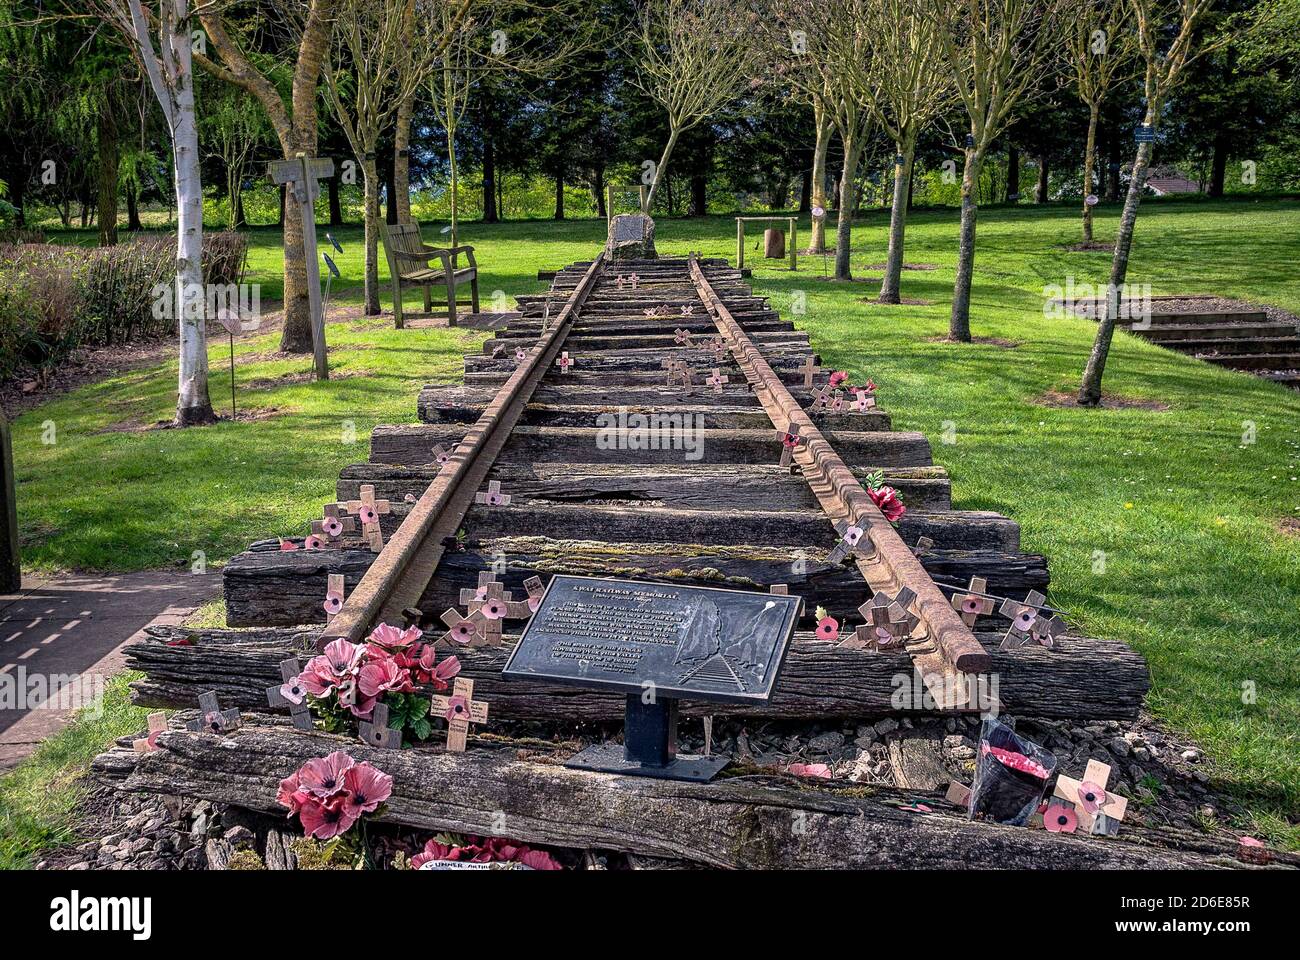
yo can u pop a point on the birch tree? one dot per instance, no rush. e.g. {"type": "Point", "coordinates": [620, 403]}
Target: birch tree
{"type": "Point", "coordinates": [1100, 54]}
{"type": "Point", "coordinates": [824, 124]}
{"type": "Point", "coordinates": [998, 52]}
{"type": "Point", "coordinates": [694, 57]}
{"type": "Point", "coordinates": [372, 68]}
{"type": "Point", "coordinates": [833, 61]}
{"type": "Point", "coordinates": [1167, 42]}
{"type": "Point", "coordinates": [169, 68]}
{"type": "Point", "coordinates": [303, 26]}
{"type": "Point", "coordinates": [906, 93]}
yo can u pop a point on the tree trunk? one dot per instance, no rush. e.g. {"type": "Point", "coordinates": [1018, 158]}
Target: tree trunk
{"type": "Point", "coordinates": [402, 159]}
{"type": "Point", "coordinates": [1089, 165]}
{"type": "Point", "coordinates": [336, 203]}
{"type": "Point", "coordinates": [559, 196]}
{"type": "Point", "coordinates": [598, 190]}
{"type": "Point", "coordinates": [844, 225]}
{"type": "Point", "coordinates": [659, 171]}
{"type": "Point", "coordinates": [1013, 173]}
{"type": "Point", "coordinates": [699, 196]}
{"type": "Point", "coordinates": [296, 335]}
{"type": "Point", "coordinates": [959, 321]}
{"type": "Point", "coordinates": [1090, 388]}
{"type": "Point", "coordinates": [1218, 166]}
{"type": "Point", "coordinates": [889, 286]}
{"type": "Point", "coordinates": [108, 162]}
{"type": "Point", "coordinates": [241, 218]}
{"type": "Point", "coordinates": [1040, 188]}
{"type": "Point", "coordinates": [489, 181]}
{"type": "Point", "coordinates": [132, 210]}
{"type": "Point", "coordinates": [805, 191]}
{"type": "Point", "coordinates": [370, 172]}
{"type": "Point", "coordinates": [825, 130]}
{"type": "Point", "coordinates": [192, 404]}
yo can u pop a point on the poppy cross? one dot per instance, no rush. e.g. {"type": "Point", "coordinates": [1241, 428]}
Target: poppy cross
{"type": "Point", "coordinates": [212, 719]}
{"type": "Point", "coordinates": [291, 694]}
{"type": "Point", "coordinates": [377, 732]}
{"type": "Point", "coordinates": [459, 710]}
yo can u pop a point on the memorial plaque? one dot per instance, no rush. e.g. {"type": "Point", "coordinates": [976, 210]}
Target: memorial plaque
{"type": "Point", "coordinates": [629, 228]}
{"type": "Point", "coordinates": [656, 642]}
{"type": "Point", "coordinates": [698, 643]}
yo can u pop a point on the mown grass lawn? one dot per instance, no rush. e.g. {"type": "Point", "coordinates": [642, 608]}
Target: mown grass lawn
{"type": "Point", "coordinates": [1163, 528]}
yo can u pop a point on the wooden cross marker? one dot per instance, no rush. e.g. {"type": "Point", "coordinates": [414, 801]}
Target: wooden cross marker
{"type": "Point", "coordinates": [809, 370]}
{"type": "Point", "coordinates": [822, 396]}
{"type": "Point", "coordinates": [520, 355]}
{"type": "Point", "coordinates": [368, 510]}
{"type": "Point", "coordinates": [837, 403]}
{"type": "Point", "coordinates": [464, 631]}
{"type": "Point", "coordinates": [688, 310]}
{"type": "Point", "coordinates": [212, 719]}
{"type": "Point", "coordinates": [291, 694]}
{"type": "Point", "coordinates": [682, 337]}
{"type": "Point", "coordinates": [865, 400]}
{"type": "Point", "coordinates": [922, 545]}
{"type": "Point", "coordinates": [634, 280]}
{"type": "Point", "coordinates": [850, 539]}
{"type": "Point", "coordinates": [790, 439]}
{"type": "Point", "coordinates": [1097, 810]}
{"type": "Point", "coordinates": [492, 496]}
{"type": "Point", "coordinates": [564, 362]}
{"type": "Point", "coordinates": [377, 732]}
{"type": "Point", "coordinates": [334, 587]}
{"type": "Point", "coordinates": [888, 620]}
{"type": "Point", "coordinates": [330, 530]}
{"type": "Point", "coordinates": [149, 743]}
{"type": "Point", "coordinates": [441, 454]}
{"type": "Point", "coordinates": [1029, 622]}
{"type": "Point", "coordinates": [491, 601]}
{"type": "Point", "coordinates": [679, 372]}
{"type": "Point", "coordinates": [975, 603]}
{"type": "Point", "coordinates": [536, 590]}
{"type": "Point", "coordinates": [716, 379]}
{"type": "Point", "coordinates": [459, 710]}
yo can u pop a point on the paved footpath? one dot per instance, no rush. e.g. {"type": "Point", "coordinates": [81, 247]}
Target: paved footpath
{"type": "Point", "coordinates": [67, 633]}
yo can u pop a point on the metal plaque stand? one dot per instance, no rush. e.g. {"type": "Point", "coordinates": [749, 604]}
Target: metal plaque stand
{"type": "Point", "coordinates": [649, 747]}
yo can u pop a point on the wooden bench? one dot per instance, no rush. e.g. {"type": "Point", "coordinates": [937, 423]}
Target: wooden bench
{"type": "Point", "coordinates": [408, 265]}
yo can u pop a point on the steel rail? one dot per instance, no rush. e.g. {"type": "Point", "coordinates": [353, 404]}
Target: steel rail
{"type": "Point", "coordinates": [946, 643]}
{"type": "Point", "coordinates": [398, 577]}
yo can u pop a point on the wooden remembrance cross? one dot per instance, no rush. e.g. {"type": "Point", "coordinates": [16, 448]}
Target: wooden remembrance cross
{"type": "Point", "coordinates": [301, 179]}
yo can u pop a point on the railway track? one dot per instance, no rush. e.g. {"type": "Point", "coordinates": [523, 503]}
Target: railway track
{"type": "Point", "coordinates": [723, 512]}
{"type": "Point", "coordinates": [707, 503]}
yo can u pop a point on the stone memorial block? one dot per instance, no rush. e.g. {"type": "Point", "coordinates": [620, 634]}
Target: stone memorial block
{"type": "Point", "coordinates": [631, 236]}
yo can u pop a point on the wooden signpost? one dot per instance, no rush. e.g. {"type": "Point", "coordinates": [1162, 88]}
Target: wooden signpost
{"type": "Point", "coordinates": [301, 178]}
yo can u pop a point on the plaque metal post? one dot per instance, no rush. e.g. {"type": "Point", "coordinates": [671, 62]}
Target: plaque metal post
{"type": "Point", "coordinates": [649, 746]}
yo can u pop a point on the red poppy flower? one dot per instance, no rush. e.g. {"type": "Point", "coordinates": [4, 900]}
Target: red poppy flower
{"type": "Point", "coordinates": [886, 498]}
{"type": "Point", "coordinates": [332, 526]}
{"type": "Point", "coordinates": [828, 628]}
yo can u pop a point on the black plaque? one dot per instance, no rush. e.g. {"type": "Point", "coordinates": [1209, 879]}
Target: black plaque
{"type": "Point", "coordinates": [694, 643]}
{"type": "Point", "coordinates": [657, 643]}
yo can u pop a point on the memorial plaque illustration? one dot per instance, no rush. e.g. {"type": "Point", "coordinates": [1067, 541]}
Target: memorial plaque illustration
{"type": "Point", "coordinates": [656, 642]}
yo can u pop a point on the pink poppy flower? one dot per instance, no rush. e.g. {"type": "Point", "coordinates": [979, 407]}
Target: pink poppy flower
{"type": "Point", "coordinates": [819, 770]}
{"type": "Point", "coordinates": [1091, 797]}
{"type": "Point", "coordinates": [290, 794]}
{"type": "Point", "coordinates": [323, 777]}
{"type": "Point", "coordinates": [537, 859]}
{"type": "Point", "coordinates": [383, 676]}
{"type": "Point", "coordinates": [886, 498]}
{"type": "Point", "coordinates": [343, 657]}
{"type": "Point", "coordinates": [325, 820]}
{"type": "Point", "coordinates": [838, 377]}
{"type": "Point", "coordinates": [1060, 819]}
{"type": "Point", "coordinates": [433, 850]}
{"type": "Point", "coordinates": [828, 628]}
{"type": "Point", "coordinates": [287, 546]}
{"type": "Point", "coordinates": [391, 638]}
{"type": "Point", "coordinates": [493, 609]}
{"type": "Point", "coordinates": [456, 706]}
{"type": "Point", "coordinates": [427, 670]}
{"type": "Point", "coordinates": [318, 677]}
{"type": "Point", "coordinates": [364, 788]}
{"type": "Point", "coordinates": [293, 691]}
{"type": "Point", "coordinates": [313, 542]}
{"type": "Point", "coordinates": [332, 526]}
